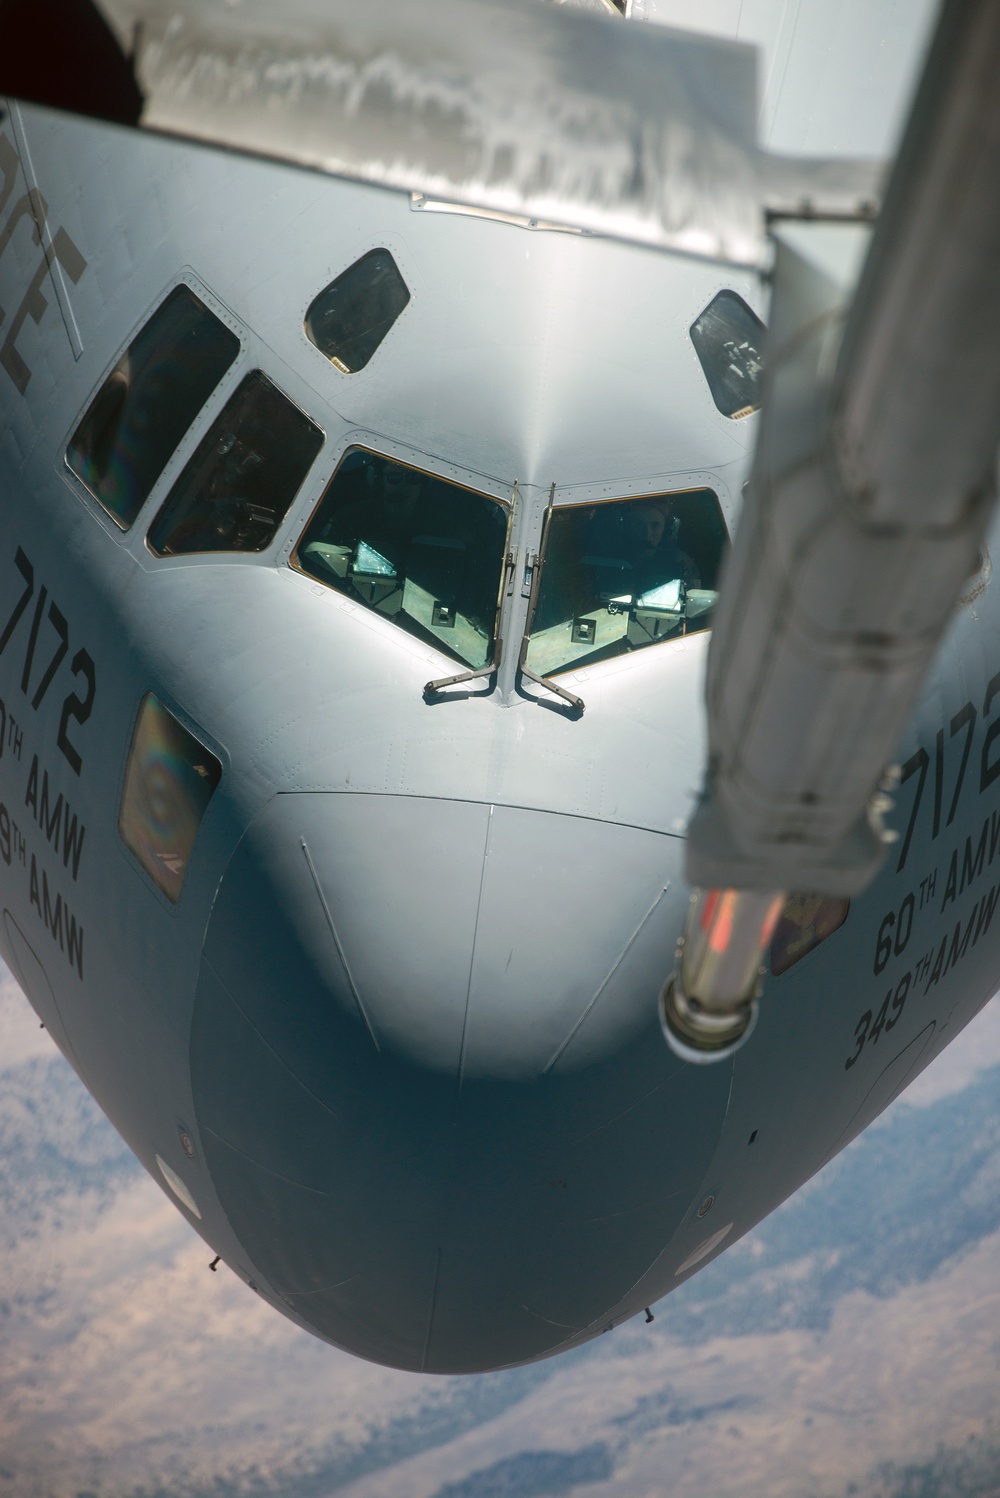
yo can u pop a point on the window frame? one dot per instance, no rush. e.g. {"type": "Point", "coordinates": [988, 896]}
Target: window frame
{"type": "Point", "coordinates": [206, 828]}
{"type": "Point", "coordinates": [710, 485]}
{"type": "Point", "coordinates": [725, 288]}
{"type": "Point", "coordinates": [333, 361]}
{"type": "Point", "coordinates": [251, 366]}
{"type": "Point", "coordinates": [125, 534]}
{"type": "Point", "coordinates": [423, 463]}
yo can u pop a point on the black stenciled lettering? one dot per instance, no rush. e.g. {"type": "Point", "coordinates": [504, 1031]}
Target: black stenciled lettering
{"type": "Point", "coordinates": [938, 781]}
{"type": "Point", "coordinates": [73, 835]}
{"type": "Point", "coordinates": [50, 819]}
{"type": "Point", "coordinates": [56, 916]}
{"type": "Point", "coordinates": [29, 654]}
{"type": "Point", "coordinates": [899, 999]}
{"type": "Point", "coordinates": [28, 573]}
{"type": "Point", "coordinates": [876, 1029]}
{"type": "Point", "coordinates": [31, 794]}
{"type": "Point", "coordinates": [62, 630]}
{"type": "Point", "coordinates": [994, 836]}
{"type": "Point", "coordinates": [34, 304]}
{"type": "Point", "coordinates": [29, 205]}
{"type": "Point", "coordinates": [989, 769]}
{"type": "Point", "coordinates": [904, 925]}
{"type": "Point", "coordinates": [78, 708]}
{"type": "Point", "coordinates": [8, 170]}
{"type": "Point", "coordinates": [883, 946]}
{"type": "Point", "coordinates": [951, 883]}
{"type": "Point", "coordinates": [60, 824]}
{"type": "Point", "coordinates": [938, 969]}
{"type": "Point", "coordinates": [860, 1035]}
{"type": "Point", "coordinates": [4, 834]}
{"type": "Point", "coordinates": [964, 718]}
{"type": "Point", "coordinates": [973, 864]}
{"type": "Point", "coordinates": [959, 944]}
{"type": "Point", "coordinates": [52, 915]}
{"type": "Point", "coordinates": [916, 764]}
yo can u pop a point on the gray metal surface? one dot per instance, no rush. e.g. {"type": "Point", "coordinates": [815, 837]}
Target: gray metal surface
{"type": "Point", "coordinates": [534, 110]}
{"type": "Point", "coordinates": [530, 957]}
{"type": "Point", "coordinates": [873, 486]}
{"type": "Point", "coordinates": [419, 1061]}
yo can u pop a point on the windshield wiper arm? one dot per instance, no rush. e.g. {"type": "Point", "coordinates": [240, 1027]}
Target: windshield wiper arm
{"type": "Point", "coordinates": [431, 688]}
{"type": "Point", "coordinates": [536, 563]}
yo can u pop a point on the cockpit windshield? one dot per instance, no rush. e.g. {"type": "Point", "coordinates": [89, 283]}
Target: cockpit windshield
{"type": "Point", "coordinates": [424, 552]}
{"type": "Point", "coordinates": [622, 575]}
{"type": "Point", "coordinates": [149, 401]}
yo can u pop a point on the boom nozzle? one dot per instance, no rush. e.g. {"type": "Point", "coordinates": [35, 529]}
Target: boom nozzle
{"type": "Point", "coordinates": [709, 1006]}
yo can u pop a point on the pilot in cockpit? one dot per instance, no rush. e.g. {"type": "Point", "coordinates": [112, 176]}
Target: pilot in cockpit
{"type": "Point", "coordinates": [650, 531]}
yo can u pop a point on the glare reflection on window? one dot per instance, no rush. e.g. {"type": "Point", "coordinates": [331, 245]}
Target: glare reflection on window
{"type": "Point", "coordinates": [169, 782]}
{"type": "Point", "coordinates": [425, 553]}
{"type": "Point", "coordinates": [148, 401]}
{"type": "Point", "coordinates": [805, 922]}
{"type": "Point", "coordinates": [728, 338]}
{"type": "Point", "coordinates": [236, 488]}
{"type": "Point", "coordinates": [623, 575]}
{"type": "Point", "coordinates": [351, 316]}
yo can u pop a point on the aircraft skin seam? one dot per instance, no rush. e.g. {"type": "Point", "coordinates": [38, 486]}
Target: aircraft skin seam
{"type": "Point", "coordinates": [580, 816]}
{"type": "Point", "coordinates": [616, 965]}
{"type": "Point", "coordinates": [472, 959]}
{"type": "Point", "coordinates": [430, 1317]}
{"type": "Point", "coordinates": [336, 941]}
{"type": "Point", "coordinates": [266, 1043]}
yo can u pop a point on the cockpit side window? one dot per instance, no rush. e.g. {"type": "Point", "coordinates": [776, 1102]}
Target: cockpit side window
{"type": "Point", "coordinates": [351, 316]}
{"type": "Point", "coordinates": [621, 575]}
{"type": "Point", "coordinates": [169, 781]}
{"type": "Point", "coordinates": [805, 922]}
{"type": "Point", "coordinates": [425, 553]}
{"type": "Point", "coordinates": [236, 489]}
{"type": "Point", "coordinates": [728, 338]}
{"type": "Point", "coordinates": [148, 401]}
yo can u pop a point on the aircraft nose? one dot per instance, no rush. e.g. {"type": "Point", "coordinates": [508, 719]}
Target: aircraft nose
{"type": "Point", "coordinates": [428, 1073]}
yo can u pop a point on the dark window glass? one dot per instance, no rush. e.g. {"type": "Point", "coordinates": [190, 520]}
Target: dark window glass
{"type": "Point", "coordinates": [169, 782]}
{"type": "Point", "coordinates": [349, 319]}
{"type": "Point", "coordinates": [805, 921]}
{"type": "Point", "coordinates": [621, 576]}
{"type": "Point", "coordinates": [148, 401]}
{"type": "Point", "coordinates": [728, 338]}
{"type": "Point", "coordinates": [425, 553]}
{"type": "Point", "coordinates": [236, 489]}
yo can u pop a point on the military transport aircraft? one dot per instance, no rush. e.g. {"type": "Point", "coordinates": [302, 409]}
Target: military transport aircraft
{"type": "Point", "coordinates": [363, 517]}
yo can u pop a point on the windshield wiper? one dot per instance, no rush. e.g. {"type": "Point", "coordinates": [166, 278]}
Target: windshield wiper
{"type": "Point", "coordinates": [433, 688]}
{"type": "Point", "coordinates": [535, 566]}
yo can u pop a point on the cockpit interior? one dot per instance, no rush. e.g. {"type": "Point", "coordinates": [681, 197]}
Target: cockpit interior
{"type": "Point", "coordinates": [422, 551]}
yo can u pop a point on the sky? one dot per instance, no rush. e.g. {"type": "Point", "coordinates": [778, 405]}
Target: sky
{"type": "Point", "coordinates": [849, 1345]}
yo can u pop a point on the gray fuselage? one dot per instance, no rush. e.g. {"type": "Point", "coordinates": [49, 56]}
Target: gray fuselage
{"type": "Point", "coordinates": [398, 1041]}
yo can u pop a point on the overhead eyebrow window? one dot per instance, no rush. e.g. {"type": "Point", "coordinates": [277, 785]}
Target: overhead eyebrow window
{"type": "Point", "coordinates": [805, 922]}
{"type": "Point", "coordinates": [728, 338]}
{"type": "Point", "coordinates": [351, 316]}
{"type": "Point", "coordinates": [236, 488]}
{"type": "Point", "coordinates": [148, 401]}
{"type": "Point", "coordinates": [169, 781]}
{"type": "Point", "coordinates": [620, 576]}
{"type": "Point", "coordinates": [425, 553]}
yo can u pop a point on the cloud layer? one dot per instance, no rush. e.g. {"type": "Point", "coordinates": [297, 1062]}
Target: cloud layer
{"type": "Point", "coordinates": [859, 1325]}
